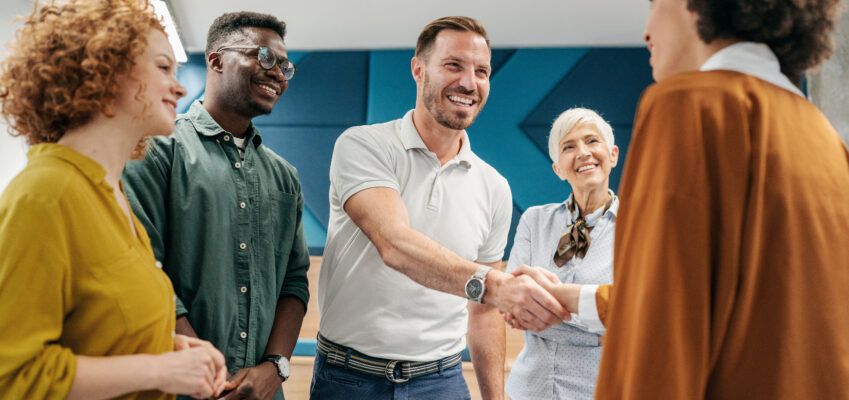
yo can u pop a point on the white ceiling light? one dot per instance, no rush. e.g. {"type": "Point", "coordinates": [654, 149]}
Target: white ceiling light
{"type": "Point", "coordinates": [161, 10]}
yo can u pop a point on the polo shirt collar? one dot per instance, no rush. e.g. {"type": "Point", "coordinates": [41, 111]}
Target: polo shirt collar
{"type": "Point", "coordinates": [411, 139]}
{"type": "Point", "coordinates": [90, 168]}
{"type": "Point", "coordinates": [205, 125]}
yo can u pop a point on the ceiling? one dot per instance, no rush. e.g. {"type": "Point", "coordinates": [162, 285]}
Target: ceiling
{"type": "Point", "coordinates": [380, 24]}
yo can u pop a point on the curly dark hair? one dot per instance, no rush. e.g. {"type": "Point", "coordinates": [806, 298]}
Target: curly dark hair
{"type": "Point", "coordinates": [230, 24]}
{"type": "Point", "coordinates": [66, 62]}
{"type": "Point", "coordinates": [797, 31]}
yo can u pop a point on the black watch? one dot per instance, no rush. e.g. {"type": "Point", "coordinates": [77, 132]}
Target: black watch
{"type": "Point", "coordinates": [282, 364]}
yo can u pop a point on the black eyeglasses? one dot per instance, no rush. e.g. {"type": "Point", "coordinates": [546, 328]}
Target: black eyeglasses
{"type": "Point", "coordinates": [267, 59]}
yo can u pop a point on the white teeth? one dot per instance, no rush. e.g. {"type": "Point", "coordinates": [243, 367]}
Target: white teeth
{"type": "Point", "coordinates": [268, 89]}
{"type": "Point", "coordinates": [461, 100]}
{"type": "Point", "coordinates": [586, 168]}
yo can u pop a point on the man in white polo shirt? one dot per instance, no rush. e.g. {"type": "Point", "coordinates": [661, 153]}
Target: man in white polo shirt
{"type": "Point", "coordinates": [418, 226]}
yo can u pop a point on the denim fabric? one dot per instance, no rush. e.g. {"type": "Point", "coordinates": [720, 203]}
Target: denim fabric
{"type": "Point", "coordinates": [331, 382]}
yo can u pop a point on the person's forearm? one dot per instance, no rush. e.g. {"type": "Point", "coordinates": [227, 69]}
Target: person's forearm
{"type": "Point", "coordinates": [183, 327]}
{"type": "Point", "coordinates": [425, 261]}
{"type": "Point", "coordinates": [487, 344]}
{"type": "Point", "coordinates": [568, 295]}
{"type": "Point", "coordinates": [287, 326]}
{"type": "Point", "coordinates": [108, 377]}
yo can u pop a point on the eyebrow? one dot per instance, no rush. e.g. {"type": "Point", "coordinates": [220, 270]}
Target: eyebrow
{"type": "Point", "coordinates": [170, 57]}
{"type": "Point", "coordinates": [455, 58]}
{"type": "Point", "coordinates": [591, 134]}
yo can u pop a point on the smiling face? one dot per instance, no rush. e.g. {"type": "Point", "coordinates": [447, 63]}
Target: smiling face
{"type": "Point", "coordinates": [453, 78]}
{"type": "Point", "coordinates": [151, 89]}
{"type": "Point", "coordinates": [672, 38]}
{"type": "Point", "coordinates": [246, 87]}
{"type": "Point", "coordinates": [585, 159]}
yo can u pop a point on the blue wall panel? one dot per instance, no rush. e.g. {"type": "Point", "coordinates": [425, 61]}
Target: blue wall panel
{"type": "Point", "coordinates": [392, 90]}
{"type": "Point", "coordinates": [330, 88]}
{"type": "Point", "coordinates": [608, 81]}
{"type": "Point", "coordinates": [336, 90]}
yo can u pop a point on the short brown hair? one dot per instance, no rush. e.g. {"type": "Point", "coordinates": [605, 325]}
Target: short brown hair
{"type": "Point", "coordinates": [66, 62]}
{"type": "Point", "coordinates": [798, 32]}
{"type": "Point", "coordinates": [454, 23]}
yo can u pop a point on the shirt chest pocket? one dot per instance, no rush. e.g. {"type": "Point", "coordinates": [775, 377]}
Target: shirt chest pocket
{"type": "Point", "coordinates": [140, 292]}
{"type": "Point", "coordinates": [284, 214]}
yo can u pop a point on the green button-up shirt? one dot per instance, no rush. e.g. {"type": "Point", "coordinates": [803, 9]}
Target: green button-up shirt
{"type": "Point", "coordinates": [228, 230]}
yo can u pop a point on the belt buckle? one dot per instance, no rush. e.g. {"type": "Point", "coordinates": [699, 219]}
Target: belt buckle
{"type": "Point", "coordinates": [389, 372]}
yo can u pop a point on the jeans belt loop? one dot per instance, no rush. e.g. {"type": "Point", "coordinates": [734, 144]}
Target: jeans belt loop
{"type": "Point", "coordinates": [348, 357]}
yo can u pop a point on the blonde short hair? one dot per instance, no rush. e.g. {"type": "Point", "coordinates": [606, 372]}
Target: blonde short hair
{"type": "Point", "coordinates": [572, 118]}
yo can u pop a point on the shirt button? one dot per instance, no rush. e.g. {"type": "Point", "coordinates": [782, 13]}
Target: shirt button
{"type": "Point", "coordinates": [243, 335]}
{"type": "Point", "coordinates": [226, 138]}
{"type": "Point", "coordinates": [158, 265]}
{"type": "Point", "coordinates": [237, 164]}
{"type": "Point", "coordinates": [243, 205]}
{"type": "Point", "coordinates": [243, 289]}
{"type": "Point", "coordinates": [243, 246]}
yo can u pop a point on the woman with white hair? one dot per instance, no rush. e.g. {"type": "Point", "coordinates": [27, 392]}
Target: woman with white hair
{"type": "Point", "coordinates": [574, 241]}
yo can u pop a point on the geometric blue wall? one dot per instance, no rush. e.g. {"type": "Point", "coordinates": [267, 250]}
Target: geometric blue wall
{"type": "Point", "coordinates": [333, 91]}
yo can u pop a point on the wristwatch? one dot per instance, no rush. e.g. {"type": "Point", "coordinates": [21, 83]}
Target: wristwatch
{"type": "Point", "coordinates": [476, 285]}
{"type": "Point", "coordinates": [282, 364]}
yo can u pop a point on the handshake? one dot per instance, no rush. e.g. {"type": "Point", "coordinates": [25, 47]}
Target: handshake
{"type": "Point", "coordinates": [532, 298]}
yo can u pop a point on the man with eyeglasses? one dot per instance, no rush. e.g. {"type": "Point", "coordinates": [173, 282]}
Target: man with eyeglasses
{"type": "Point", "coordinates": [224, 212]}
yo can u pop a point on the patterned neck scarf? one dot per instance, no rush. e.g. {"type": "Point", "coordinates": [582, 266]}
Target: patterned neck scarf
{"type": "Point", "coordinates": [576, 239]}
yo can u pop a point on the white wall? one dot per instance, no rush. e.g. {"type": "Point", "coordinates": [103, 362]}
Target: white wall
{"type": "Point", "coordinates": [12, 150]}
{"type": "Point", "coordinates": [827, 86]}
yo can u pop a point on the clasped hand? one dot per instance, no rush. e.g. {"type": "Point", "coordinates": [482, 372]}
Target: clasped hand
{"type": "Point", "coordinates": [518, 318]}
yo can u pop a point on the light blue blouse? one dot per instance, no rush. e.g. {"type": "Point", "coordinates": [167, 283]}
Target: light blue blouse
{"type": "Point", "coordinates": [561, 362]}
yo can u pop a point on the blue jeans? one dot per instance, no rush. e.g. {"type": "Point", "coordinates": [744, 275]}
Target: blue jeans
{"type": "Point", "coordinates": [331, 382]}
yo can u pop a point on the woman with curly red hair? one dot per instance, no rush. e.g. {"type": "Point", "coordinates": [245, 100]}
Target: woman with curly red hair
{"type": "Point", "coordinates": [86, 311]}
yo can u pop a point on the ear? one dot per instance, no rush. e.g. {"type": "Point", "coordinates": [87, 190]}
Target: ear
{"type": "Point", "coordinates": [214, 62]}
{"type": "Point", "coordinates": [417, 69]}
{"type": "Point", "coordinates": [556, 169]}
{"type": "Point", "coordinates": [614, 156]}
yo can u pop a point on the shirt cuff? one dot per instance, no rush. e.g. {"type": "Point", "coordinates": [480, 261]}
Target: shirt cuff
{"type": "Point", "coordinates": [588, 311]}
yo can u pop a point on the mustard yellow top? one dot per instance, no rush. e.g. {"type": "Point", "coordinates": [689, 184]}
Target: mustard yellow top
{"type": "Point", "coordinates": [74, 279]}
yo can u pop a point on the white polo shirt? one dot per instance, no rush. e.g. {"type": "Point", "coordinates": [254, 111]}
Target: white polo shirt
{"type": "Point", "coordinates": [465, 205]}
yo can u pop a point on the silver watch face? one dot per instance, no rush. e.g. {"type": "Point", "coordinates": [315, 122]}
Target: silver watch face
{"type": "Point", "coordinates": [474, 288]}
{"type": "Point", "coordinates": [283, 367]}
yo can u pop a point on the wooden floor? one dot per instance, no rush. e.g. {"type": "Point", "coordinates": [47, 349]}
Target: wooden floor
{"type": "Point", "coordinates": [297, 387]}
